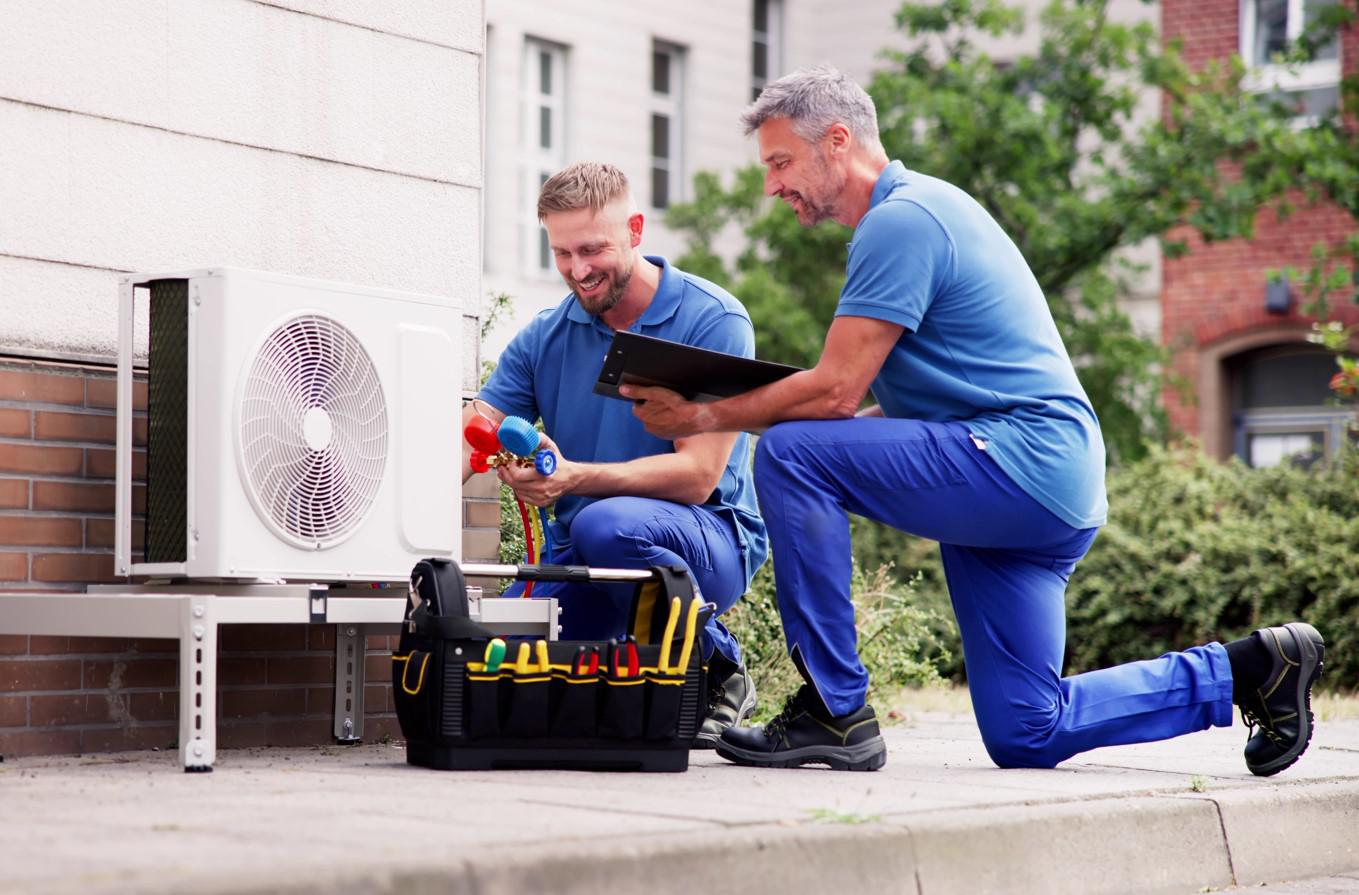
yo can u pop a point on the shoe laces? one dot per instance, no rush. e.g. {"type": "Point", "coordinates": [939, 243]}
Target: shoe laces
{"type": "Point", "coordinates": [792, 707]}
{"type": "Point", "coordinates": [716, 690]}
{"type": "Point", "coordinates": [1253, 719]}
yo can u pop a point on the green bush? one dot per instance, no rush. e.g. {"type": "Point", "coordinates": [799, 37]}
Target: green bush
{"type": "Point", "coordinates": [511, 528]}
{"type": "Point", "coordinates": [900, 642]}
{"type": "Point", "coordinates": [1197, 550]}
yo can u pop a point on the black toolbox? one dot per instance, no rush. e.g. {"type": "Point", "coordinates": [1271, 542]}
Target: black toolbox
{"type": "Point", "coordinates": [469, 700]}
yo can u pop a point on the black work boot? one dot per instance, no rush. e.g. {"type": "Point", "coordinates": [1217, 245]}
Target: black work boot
{"type": "Point", "coordinates": [731, 700]}
{"type": "Point", "coordinates": [1278, 715]}
{"type": "Point", "coordinates": [805, 733]}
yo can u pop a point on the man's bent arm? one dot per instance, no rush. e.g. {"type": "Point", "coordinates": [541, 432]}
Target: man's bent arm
{"type": "Point", "coordinates": [689, 475]}
{"type": "Point", "coordinates": [854, 353]}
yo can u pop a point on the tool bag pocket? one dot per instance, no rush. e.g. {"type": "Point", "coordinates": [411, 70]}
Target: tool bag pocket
{"type": "Point", "coordinates": [620, 712]}
{"type": "Point", "coordinates": [574, 705]}
{"type": "Point", "coordinates": [526, 714]}
{"type": "Point", "coordinates": [410, 673]}
{"type": "Point", "coordinates": [664, 693]}
{"type": "Point", "coordinates": [483, 704]}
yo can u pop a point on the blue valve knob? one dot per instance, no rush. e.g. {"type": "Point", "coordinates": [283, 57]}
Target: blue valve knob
{"type": "Point", "coordinates": [545, 462]}
{"type": "Point", "coordinates": [518, 436]}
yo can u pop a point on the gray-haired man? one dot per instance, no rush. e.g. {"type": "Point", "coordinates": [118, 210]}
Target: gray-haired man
{"type": "Point", "coordinates": [983, 440]}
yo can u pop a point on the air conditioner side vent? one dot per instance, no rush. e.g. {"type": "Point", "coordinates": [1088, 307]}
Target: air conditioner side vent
{"type": "Point", "coordinates": [167, 448]}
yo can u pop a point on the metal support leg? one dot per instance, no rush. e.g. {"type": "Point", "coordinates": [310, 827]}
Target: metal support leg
{"type": "Point", "coordinates": [349, 679]}
{"type": "Point", "coordinates": [197, 684]}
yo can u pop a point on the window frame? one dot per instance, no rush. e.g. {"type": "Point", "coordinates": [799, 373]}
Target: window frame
{"type": "Point", "coordinates": [669, 105]}
{"type": "Point", "coordinates": [1266, 77]}
{"type": "Point", "coordinates": [1311, 415]}
{"type": "Point", "coordinates": [537, 163]}
{"type": "Point", "coordinates": [1331, 423]}
{"type": "Point", "coordinates": [772, 40]}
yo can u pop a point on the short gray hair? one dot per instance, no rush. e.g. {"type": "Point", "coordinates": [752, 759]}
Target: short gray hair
{"type": "Point", "coordinates": [591, 185]}
{"type": "Point", "coordinates": [813, 99]}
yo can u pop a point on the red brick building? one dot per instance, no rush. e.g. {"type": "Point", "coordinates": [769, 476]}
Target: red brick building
{"type": "Point", "coordinates": [1258, 387]}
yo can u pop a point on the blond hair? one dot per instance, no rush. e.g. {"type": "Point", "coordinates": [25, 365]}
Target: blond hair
{"type": "Point", "coordinates": [591, 185]}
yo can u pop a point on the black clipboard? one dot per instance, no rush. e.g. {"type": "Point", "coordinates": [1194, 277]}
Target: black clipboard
{"type": "Point", "coordinates": [696, 373]}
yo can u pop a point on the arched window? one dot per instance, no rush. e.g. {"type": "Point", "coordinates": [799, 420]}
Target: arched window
{"type": "Point", "coordinates": [1282, 407]}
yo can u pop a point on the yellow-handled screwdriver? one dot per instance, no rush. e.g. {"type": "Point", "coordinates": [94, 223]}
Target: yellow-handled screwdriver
{"type": "Point", "coordinates": [671, 622]}
{"type": "Point", "coordinates": [690, 630]}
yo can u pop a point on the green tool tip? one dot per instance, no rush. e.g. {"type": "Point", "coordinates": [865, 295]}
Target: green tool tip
{"type": "Point", "coordinates": [495, 654]}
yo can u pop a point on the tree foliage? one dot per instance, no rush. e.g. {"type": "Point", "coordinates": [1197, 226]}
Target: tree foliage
{"type": "Point", "coordinates": [1054, 146]}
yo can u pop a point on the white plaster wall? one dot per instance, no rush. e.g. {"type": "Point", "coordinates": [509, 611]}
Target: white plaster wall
{"type": "Point", "coordinates": [608, 113]}
{"type": "Point", "coordinates": [330, 139]}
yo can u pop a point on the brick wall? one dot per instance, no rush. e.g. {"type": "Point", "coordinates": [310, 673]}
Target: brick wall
{"type": "Point", "coordinates": [1206, 29]}
{"type": "Point", "coordinates": [81, 694]}
{"type": "Point", "coordinates": [1216, 293]}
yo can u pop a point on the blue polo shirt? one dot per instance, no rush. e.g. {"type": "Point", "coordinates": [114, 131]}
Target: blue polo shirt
{"type": "Point", "coordinates": [549, 369]}
{"type": "Point", "coordinates": [980, 346]}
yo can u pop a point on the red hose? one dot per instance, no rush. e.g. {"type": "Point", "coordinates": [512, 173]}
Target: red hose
{"type": "Point", "coordinates": [530, 556]}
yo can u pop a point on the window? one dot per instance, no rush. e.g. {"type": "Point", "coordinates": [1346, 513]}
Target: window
{"type": "Point", "coordinates": [1282, 408]}
{"type": "Point", "coordinates": [766, 45]}
{"type": "Point", "coordinates": [667, 96]}
{"type": "Point", "coordinates": [1268, 29]}
{"type": "Point", "coordinates": [542, 137]}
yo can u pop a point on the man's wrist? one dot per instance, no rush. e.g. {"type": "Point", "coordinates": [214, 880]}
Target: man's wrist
{"type": "Point", "coordinates": [710, 417]}
{"type": "Point", "coordinates": [569, 474]}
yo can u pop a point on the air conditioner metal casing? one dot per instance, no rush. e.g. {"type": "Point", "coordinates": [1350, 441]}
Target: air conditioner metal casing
{"type": "Point", "coordinates": [415, 344]}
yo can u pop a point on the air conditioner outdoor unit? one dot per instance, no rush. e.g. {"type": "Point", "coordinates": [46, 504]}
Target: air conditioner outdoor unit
{"type": "Point", "coordinates": [297, 429]}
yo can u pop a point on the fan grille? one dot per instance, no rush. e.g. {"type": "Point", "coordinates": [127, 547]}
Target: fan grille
{"type": "Point", "coordinates": [313, 428]}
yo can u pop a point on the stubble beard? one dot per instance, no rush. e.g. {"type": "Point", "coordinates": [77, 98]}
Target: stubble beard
{"type": "Point", "coordinates": [618, 284]}
{"type": "Point", "coordinates": [827, 189]}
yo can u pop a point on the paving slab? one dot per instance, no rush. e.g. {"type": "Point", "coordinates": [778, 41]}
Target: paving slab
{"type": "Point", "coordinates": [1178, 816]}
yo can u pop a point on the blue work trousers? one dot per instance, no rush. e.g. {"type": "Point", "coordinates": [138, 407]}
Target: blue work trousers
{"type": "Point", "coordinates": [636, 533]}
{"type": "Point", "coordinates": [1007, 560]}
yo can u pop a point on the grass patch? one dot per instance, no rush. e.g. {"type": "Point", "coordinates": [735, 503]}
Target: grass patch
{"type": "Point", "coordinates": [831, 816]}
{"type": "Point", "coordinates": [1335, 706]}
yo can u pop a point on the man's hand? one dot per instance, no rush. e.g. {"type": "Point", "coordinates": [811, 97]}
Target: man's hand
{"type": "Point", "coordinates": [534, 488]}
{"type": "Point", "coordinates": [666, 414]}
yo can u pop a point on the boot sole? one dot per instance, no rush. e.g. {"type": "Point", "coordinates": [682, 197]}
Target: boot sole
{"type": "Point", "coordinates": [869, 755]}
{"type": "Point", "coordinates": [1311, 648]}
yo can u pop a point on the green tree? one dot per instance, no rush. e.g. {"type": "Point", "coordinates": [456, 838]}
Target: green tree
{"type": "Point", "coordinates": [1052, 146]}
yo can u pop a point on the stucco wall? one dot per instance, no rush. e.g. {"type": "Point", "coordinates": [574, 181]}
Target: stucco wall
{"type": "Point", "coordinates": [329, 139]}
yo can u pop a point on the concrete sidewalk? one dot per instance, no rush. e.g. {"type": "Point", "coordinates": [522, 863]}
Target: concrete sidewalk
{"type": "Point", "coordinates": [1180, 816]}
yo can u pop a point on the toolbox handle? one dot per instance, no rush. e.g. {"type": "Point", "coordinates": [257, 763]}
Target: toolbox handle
{"type": "Point", "coordinates": [550, 572]}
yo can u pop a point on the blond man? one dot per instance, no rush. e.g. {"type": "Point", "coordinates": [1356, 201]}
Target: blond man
{"type": "Point", "coordinates": [625, 498]}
